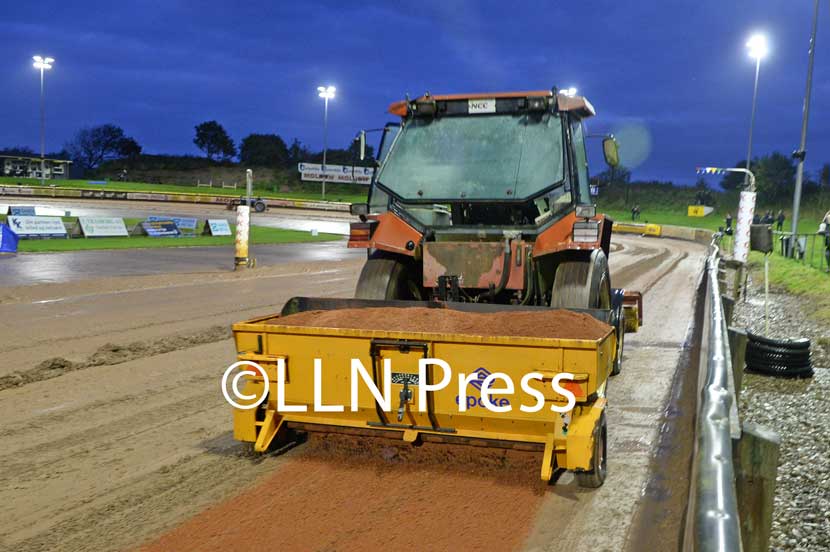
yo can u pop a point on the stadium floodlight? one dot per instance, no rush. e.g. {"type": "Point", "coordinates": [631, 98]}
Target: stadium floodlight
{"type": "Point", "coordinates": [757, 46]}
{"type": "Point", "coordinates": [327, 93]}
{"type": "Point", "coordinates": [42, 63]}
{"type": "Point", "coordinates": [570, 92]}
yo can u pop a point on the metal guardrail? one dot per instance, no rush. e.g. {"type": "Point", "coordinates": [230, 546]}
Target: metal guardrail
{"type": "Point", "coordinates": [714, 518]}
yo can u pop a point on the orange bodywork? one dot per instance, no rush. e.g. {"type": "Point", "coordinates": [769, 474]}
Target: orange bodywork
{"type": "Point", "coordinates": [559, 237]}
{"type": "Point", "coordinates": [390, 233]}
{"type": "Point", "coordinates": [563, 103]}
{"type": "Point", "coordinates": [481, 263]}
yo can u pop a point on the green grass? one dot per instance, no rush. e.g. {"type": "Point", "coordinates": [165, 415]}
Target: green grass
{"type": "Point", "coordinates": [665, 216]}
{"type": "Point", "coordinates": [795, 278]}
{"type": "Point", "coordinates": [260, 235]}
{"type": "Point", "coordinates": [678, 217]}
{"type": "Point", "coordinates": [335, 193]}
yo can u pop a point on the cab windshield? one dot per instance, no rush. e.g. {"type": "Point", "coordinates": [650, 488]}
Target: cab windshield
{"type": "Point", "coordinates": [478, 157]}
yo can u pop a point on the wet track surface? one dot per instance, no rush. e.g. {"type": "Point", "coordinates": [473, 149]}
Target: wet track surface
{"type": "Point", "coordinates": [119, 436]}
{"type": "Point", "coordinates": [43, 268]}
{"type": "Point", "coordinates": [64, 267]}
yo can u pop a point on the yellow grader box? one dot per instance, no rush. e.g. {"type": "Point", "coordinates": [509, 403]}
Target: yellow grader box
{"type": "Point", "coordinates": [574, 440]}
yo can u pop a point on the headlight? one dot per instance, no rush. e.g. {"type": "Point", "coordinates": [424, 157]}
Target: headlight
{"type": "Point", "coordinates": [586, 211]}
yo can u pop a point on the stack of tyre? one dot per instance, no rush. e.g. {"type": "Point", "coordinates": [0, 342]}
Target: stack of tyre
{"type": "Point", "coordinates": [788, 358]}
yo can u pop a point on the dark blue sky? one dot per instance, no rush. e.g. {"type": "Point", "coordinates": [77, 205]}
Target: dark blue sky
{"type": "Point", "coordinates": [671, 78]}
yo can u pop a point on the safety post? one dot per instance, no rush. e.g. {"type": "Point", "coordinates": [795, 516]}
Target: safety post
{"type": "Point", "coordinates": [746, 210]}
{"type": "Point", "coordinates": [766, 294]}
{"type": "Point", "coordinates": [755, 456]}
{"type": "Point", "coordinates": [243, 222]}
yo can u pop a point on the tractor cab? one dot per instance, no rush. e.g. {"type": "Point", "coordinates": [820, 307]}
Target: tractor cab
{"type": "Point", "coordinates": [484, 195]}
{"type": "Point", "coordinates": [485, 160]}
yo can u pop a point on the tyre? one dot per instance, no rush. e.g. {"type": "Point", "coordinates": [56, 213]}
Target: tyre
{"type": "Point", "coordinates": [778, 357]}
{"type": "Point", "coordinates": [755, 356]}
{"type": "Point", "coordinates": [582, 284]}
{"type": "Point", "coordinates": [781, 343]}
{"type": "Point", "coordinates": [385, 278]}
{"type": "Point", "coordinates": [763, 349]}
{"type": "Point", "coordinates": [777, 366]}
{"type": "Point", "coordinates": [599, 468]}
{"type": "Point", "coordinates": [804, 372]}
{"type": "Point", "coordinates": [587, 285]}
{"type": "Point", "coordinates": [259, 207]}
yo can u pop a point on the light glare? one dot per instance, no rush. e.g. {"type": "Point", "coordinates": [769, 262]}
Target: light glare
{"type": "Point", "coordinates": [326, 92]}
{"type": "Point", "coordinates": [42, 63]}
{"type": "Point", "coordinates": [758, 47]}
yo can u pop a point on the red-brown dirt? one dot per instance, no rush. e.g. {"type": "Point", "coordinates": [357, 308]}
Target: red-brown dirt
{"type": "Point", "coordinates": [542, 323]}
{"type": "Point", "coordinates": [453, 497]}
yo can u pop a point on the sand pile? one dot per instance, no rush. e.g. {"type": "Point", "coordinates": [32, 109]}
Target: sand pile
{"type": "Point", "coordinates": [542, 323]}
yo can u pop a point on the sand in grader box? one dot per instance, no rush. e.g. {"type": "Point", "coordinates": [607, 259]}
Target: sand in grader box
{"type": "Point", "coordinates": [560, 324]}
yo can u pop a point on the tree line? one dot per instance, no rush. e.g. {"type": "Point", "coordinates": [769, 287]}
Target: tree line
{"type": "Point", "coordinates": [774, 178]}
{"type": "Point", "coordinates": [90, 147]}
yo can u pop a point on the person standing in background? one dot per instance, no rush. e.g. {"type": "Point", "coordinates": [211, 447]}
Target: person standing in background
{"type": "Point", "coordinates": [824, 228]}
{"type": "Point", "coordinates": [779, 220]}
{"type": "Point", "coordinates": [728, 221]}
{"type": "Point", "coordinates": [827, 249]}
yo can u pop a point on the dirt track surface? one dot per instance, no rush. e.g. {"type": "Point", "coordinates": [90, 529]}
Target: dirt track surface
{"type": "Point", "coordinates": [115, 434]}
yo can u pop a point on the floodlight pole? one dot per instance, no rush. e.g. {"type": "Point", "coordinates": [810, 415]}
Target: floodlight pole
{"type": "Point", "coordinates": [42, 63]}
{"type": "Point", "coordinates": [752, 118]}
{"type": "Point", "coordinates": [327, 93]}
{"type": "Point", "coordinates": [802, 149]}
{"type": "Point", "coordinates": [42, 130]}
{"type": "Point", "coordinates": [325, 140]}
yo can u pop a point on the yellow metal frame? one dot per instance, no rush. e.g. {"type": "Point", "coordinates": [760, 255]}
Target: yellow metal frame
{"type": "Point", "coordinates": [567, 440]}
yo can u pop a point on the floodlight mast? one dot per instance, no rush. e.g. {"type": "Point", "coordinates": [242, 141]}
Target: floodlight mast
{"type": "Point", "coordinates": [758, 50]}
{"type": "Point", "coordinates": [327, 93]}
{"type": "Point", "coordinates": [44, 64]}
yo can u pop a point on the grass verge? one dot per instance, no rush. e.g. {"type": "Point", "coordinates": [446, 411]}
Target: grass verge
{"type": "Point", "coordinates": [795, 278]}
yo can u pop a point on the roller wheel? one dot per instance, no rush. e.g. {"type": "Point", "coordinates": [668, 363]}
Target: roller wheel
{"type": "Point", "coordinates": [582, 284]}
{"type": "Point", "coordinates": [599, 468]}
{"type": "Point", "coordinates": [587, 285]}
{"type": "Point", "coordinates": [385, 278]}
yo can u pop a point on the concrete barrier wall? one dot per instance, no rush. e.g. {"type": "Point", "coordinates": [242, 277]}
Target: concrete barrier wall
{"type": "Point", "coordinates": [642, 229]}
{"type": "Point", "coordinates": [699, 235]}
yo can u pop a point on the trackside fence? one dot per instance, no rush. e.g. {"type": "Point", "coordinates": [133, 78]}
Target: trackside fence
{"type": "Point", "coordinates": [734, 467]}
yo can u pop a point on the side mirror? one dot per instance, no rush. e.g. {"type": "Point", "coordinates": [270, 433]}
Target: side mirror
{"type": "Point", "coordinates": [611, 151]}
{"type": "Point", "coordinates": [362, 138]}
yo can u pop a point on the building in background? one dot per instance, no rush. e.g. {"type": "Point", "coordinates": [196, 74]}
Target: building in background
{"type": "Point", "coordinates": [29, 167]}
